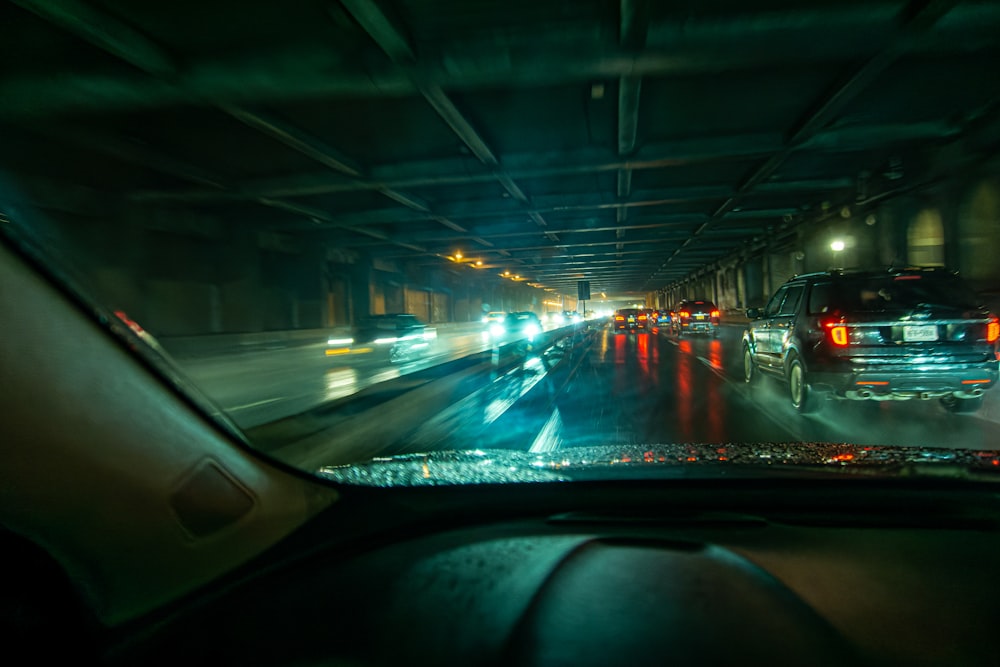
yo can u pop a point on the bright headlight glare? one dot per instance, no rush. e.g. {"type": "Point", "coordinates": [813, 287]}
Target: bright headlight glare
{"type": "Point", "coordinates": [496, 330]}
{"type": "Point", "coordinates": [340, 341]}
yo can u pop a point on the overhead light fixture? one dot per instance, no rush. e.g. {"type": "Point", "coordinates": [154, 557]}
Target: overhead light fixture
{"type": "Point", "coordinates": [479, 262]}
{"type": "Point", "coordinates": [458, 255]}
{"type": "Point", "coordinates": [837, 245]}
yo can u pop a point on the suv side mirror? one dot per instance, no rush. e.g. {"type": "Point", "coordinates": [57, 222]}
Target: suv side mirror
{"type": "Point", "coordinates": [753, 313]}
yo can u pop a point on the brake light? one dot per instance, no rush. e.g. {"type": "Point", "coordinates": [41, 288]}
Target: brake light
{"type": "Point", "coordinates": [715, 313]}
{"type": "Point", "coordinates": [684, 313]}
{"type": "Point", "coordinates": [642, 317]}
{"type": "Point", "coordinates": [838, 333]}
{"type": "Point", "coordinates": [993, 330]}
{"type": "Point", "coordinates": [619, 318]}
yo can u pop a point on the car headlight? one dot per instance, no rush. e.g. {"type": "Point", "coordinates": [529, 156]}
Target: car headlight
{"type": "Point", "coordinates": [496, 330]}
{"type": "Point", "coordinates": [532, 330]}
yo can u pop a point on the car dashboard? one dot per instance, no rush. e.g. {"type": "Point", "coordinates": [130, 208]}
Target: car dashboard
{"type": "Point", "coordinates": [699, 573]}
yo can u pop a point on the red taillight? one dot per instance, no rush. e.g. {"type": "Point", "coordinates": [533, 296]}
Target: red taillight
{"type": "Point", "coordinates": [715, 313]}
{"type": "Point", "coordinates": [619, 318]}
{"type": "Point", "coordinates": [993, 331]}
{"type": "Point", "coordinates": [838, 333]}
{"type": "Point", "coordinates": [684, 313]}
{"type": "Point", "coordinates": [642, 317]}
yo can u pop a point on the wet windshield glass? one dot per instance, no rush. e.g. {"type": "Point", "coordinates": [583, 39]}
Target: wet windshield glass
{"type": "Point", "coordinates": [362, 230]}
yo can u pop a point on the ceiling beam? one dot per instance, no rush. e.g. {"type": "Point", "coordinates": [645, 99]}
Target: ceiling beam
{"type": "Point", "coordinates": [567, 163]}
{"type": "Point", "coordinates": [916, 16]}
{"type": "Point", "coordinates": [674, 48]}
{"type": "Point", "coordinates": [294, 138]}
{"type": "Point", "coordinates": [105, 32]}
{"type": "Point", "coordinates": [391, 40]}
{"type": "Point", "coordinates": [113, 36]}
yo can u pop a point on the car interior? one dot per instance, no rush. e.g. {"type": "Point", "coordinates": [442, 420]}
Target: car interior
{"type": "Point", "coordinates": [140, 531]}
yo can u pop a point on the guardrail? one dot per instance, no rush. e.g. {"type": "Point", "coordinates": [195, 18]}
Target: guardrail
{"type": "Point", "coordinates": [381, 416]}
{"type": "Point", "coordinates": [237, 343]}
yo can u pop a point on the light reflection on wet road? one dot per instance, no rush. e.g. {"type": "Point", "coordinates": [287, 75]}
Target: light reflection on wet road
{"type": "Point", "coordinates": [652, 388]}
{"type": "Point", "coordinates": [634, 388]}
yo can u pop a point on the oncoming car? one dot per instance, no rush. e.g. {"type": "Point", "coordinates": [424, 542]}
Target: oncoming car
{"type": "Point", "coordinates": [494, 317]}
{"type": "Point", "coordinates": [519, 325]}
{"type": "Point", "coordinates": [897, 334]}
{"type": "Point", "coordinates": [398, 336]}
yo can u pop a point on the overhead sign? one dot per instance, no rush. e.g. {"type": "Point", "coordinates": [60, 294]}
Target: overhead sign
{"type": "Point", "coordinates": [583, 290]}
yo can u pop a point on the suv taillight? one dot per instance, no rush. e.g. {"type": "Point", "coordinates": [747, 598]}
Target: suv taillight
{"type": "Point", "coordinates": [993, 330]}
{"type": "Point", "coordinates": [715, 313]}
{"type": "Point", "coordinates": [684, 313]}
{"type": "Point", "coordinates": [837, 333]}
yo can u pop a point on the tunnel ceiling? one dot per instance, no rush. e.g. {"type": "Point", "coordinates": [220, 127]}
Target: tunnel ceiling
{"type": "Point", "coordinates": [628, 143]}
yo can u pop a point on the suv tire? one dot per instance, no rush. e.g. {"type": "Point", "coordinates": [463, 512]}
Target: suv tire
{"type": "Point", "coordinates": [962, 405]}
{"type": "Point", "coordinates": [751, 374]}
{"type": "Point", "coordinates": [802, 395]}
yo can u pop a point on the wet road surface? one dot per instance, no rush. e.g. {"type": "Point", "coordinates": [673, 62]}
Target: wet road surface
{"type": "Point", "coordinates": [627, 388]}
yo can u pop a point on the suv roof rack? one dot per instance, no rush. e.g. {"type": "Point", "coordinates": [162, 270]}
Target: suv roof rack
{"type": "Point", "coordinates": [892, 270]}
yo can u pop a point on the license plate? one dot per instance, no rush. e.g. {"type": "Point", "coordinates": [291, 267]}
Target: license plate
{"type": "Point", "coordinates": [919, 333]}
{"type": "Point", "coordinates": [631, 319]}
{"type": "Point", "coordinates": [699, 317]}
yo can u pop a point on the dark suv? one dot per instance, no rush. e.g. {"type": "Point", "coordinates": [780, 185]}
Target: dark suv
{"type": "Point", "coordinates": [875, 335]}
{"type": "Point", "coordinates": [695, 315]}
{"type": "Point", "coordinates": [629, 319]}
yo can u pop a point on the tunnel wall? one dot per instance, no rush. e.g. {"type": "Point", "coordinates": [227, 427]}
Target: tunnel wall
{"type": "Point", "coordinates": [957, 226]}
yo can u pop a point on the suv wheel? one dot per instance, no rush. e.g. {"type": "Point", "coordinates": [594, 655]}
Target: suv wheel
{"type": "Point", "coordinates": [804, 399]}
{"type": "Point", "coordinates": [750, 372]}
{"type": "Point", "coordinates": [962, 405]}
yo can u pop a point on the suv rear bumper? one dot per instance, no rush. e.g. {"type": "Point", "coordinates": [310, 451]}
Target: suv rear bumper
{"type": "Point", "coordinates": [907, 382]}
{"type": "Point", "coordinates": [698, 326]}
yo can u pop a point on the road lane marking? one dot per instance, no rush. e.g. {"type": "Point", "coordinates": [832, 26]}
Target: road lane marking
{"type": "Point", "coordinates": [715, 368]}
{"type": "Point", "coordinates": [254, 405]}
{"type": "Point", "coordinates": [550, 437]}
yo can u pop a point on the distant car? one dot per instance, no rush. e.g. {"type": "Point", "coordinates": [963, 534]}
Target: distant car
{"type": "Point", "coordinates": [521, 325]}
{"type": "Point", "coordinates": [398, 336]}
{"type": "Point", "coordinates": [630, 319]}
{"type": "Point", "coordinates": [875, 335]}
{"type": "Point", "coordinates": [695, 315]}
{"type": "Point", "coordinates": [494, 317]}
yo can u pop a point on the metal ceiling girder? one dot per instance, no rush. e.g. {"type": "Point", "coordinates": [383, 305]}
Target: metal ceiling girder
{"type": "Point", "coordinates": [294, 138]}
{"type": "Point", "coordinates": [115, 37]}
{"type": "Point", "coordinates": [918, 15]}
{"type": "Point", "coordinates": [675, 47]}
{"type": "Point", "coordinates": [105, 32]}
{"type": "Point", "coordinates": [587, 161]}
{"type": "Point", "coordinates": [391, 40]}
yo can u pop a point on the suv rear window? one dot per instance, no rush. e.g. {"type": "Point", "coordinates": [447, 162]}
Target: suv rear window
{"type": "Point", "coordinates": [890, 293]}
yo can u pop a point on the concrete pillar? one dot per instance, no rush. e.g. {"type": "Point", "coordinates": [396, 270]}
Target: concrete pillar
{"type": "Point", "coordinates": [360, 275]}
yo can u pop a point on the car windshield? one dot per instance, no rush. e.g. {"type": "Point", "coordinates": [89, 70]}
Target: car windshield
{"type": "Point", "coordinates": [365, 233]}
